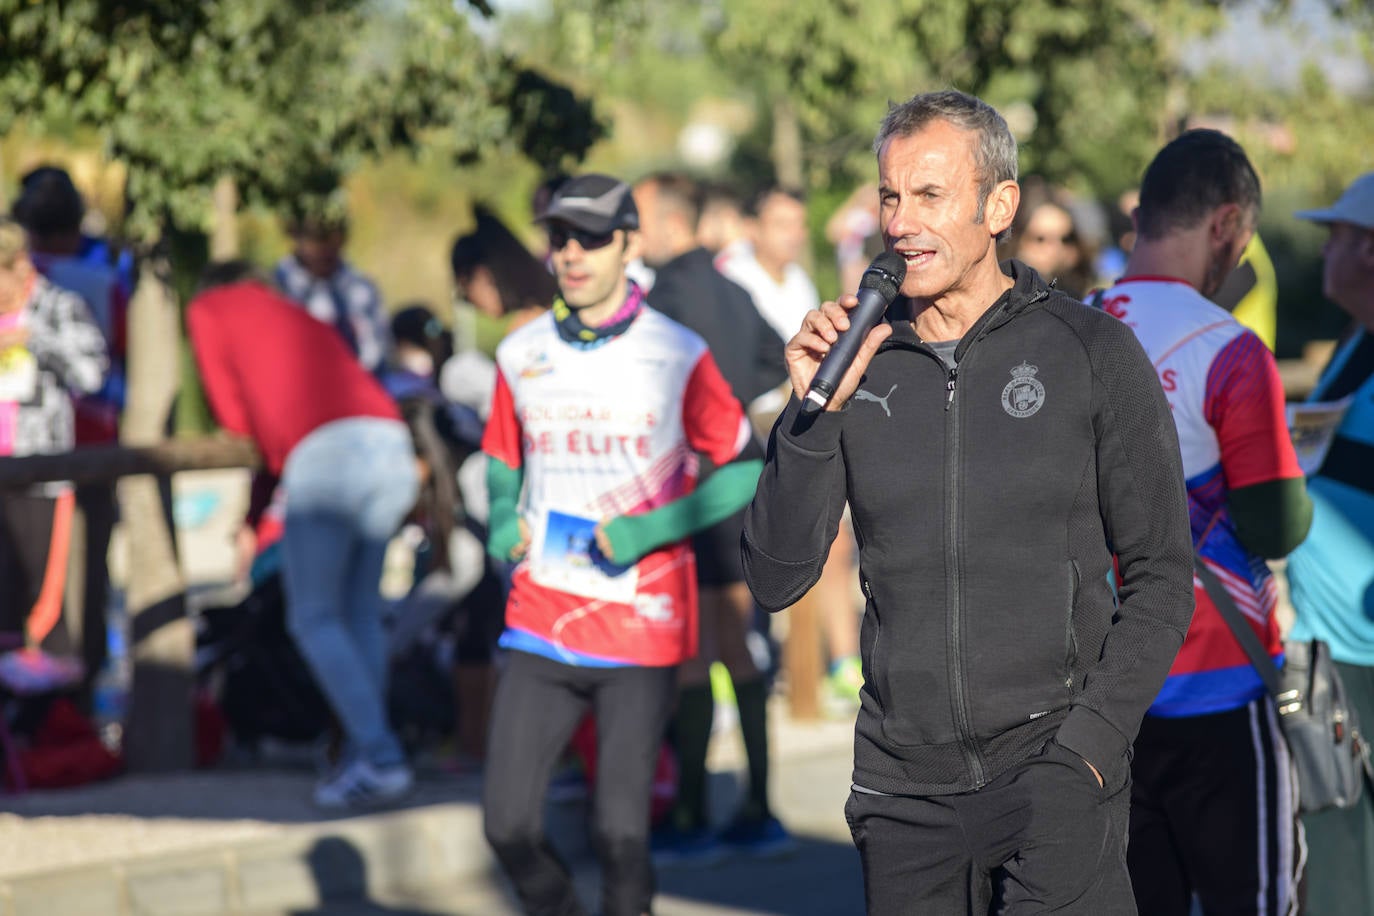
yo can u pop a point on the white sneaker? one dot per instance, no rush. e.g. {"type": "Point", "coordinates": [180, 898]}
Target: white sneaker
{"type": "Point", "coordinates": [361, 785]}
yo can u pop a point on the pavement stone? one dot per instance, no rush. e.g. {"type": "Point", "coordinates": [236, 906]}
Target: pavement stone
{"type": "Point", "coordinates": [246, 840]}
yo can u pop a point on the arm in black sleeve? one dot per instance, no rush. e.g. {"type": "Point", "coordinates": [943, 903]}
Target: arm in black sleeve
{"type": "Point", "coordinates": [1144, 506]}
{"type": "Point", "coordinates": [796, 511]}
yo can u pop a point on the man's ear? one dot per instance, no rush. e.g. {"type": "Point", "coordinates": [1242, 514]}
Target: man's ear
{"type": "Point", "coordinates": [1001, 207]}
{"type": "Point", "coordinates": [1227, 221]}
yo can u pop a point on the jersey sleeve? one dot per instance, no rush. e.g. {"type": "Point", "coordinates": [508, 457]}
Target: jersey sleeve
{"type": "Point", "coordinates": [502, 437]}
{"type": "Point", "coordinates": [712, 417]}
{"type": "Point", "coordinates": [1244, 404]}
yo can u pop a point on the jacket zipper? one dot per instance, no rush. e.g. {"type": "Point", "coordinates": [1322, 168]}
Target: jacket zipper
{"type": "Point", "coordinates": [1071, 638]}
{"type": "Point", "coordinates": [871, 662]}
{"type": "Point", "coordinates": [963, 717]}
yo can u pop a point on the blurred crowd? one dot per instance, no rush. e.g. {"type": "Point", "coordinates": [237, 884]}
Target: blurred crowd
{"type": "Point", "coordinates": [377, 424]}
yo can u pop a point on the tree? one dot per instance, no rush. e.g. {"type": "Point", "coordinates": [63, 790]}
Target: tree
{"type": "Point", "coordinates": [273, 101]}
{"type": "Point", "coordinates": [281, 97]}
{"type": "Point", "coordinates": [1091, 89]}
{"type": "Point", "coordinates": [1067, 74]}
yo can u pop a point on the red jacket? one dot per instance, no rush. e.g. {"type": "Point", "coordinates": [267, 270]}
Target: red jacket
{"type": "Point", "coordinates": [273, 373]}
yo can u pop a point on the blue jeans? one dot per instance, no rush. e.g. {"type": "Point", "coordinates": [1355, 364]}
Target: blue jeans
{"type": "Point", "coordinates": [348, 486]}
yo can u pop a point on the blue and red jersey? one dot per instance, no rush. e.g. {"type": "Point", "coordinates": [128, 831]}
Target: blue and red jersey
{"type": "Point", "coordinates": [1228, 404]}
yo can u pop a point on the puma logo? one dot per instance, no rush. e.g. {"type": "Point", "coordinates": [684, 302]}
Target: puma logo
{"type": "Point", "coordinates": [862, 395]}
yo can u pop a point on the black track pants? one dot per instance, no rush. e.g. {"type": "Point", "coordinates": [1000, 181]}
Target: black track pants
{"type": "Point", "coordinates": [538, 704]}
{"type": "Point", "coordinates": [1041, 838]}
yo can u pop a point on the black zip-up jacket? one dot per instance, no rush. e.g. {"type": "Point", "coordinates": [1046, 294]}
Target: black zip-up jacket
{"type": "Point", "coordinates": [987, 504]}
{"type": "Point", "coordinates": [689, 290]}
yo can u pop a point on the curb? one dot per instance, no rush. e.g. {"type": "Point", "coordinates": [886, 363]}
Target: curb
{"type": "Point", "coordinates": [301, 867]}
{"type": "Point", "coordinates": [291, 860]}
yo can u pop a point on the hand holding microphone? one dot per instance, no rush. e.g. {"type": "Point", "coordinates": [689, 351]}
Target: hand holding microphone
{"type": "Point", "coordinates": [835, 337]}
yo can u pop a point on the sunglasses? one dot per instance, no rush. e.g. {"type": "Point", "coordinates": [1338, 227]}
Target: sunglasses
{"type": "Point", "coordinates": [1061, 239]}
{"type": "Point", "coordinates": [559, 236]}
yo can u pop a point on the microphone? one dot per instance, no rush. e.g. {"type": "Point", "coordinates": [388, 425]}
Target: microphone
{"type": "Point", "coordinates": [879, 286]}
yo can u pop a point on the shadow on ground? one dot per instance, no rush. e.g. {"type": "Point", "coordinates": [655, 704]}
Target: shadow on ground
{"type": "Point", "coordinates": [340, 873]}
{"type": "Point", "coordinates": [821, 877]}
{"type": "Point", "coordinates": [273, 794]}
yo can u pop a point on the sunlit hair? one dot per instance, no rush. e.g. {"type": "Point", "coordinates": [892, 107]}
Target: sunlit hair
{"type": "Point", "coordinates": [520, 278]}
{"type": "Point", "coordinates": [13, 242]}
{"type": "Point", "coordinates": [758, 202]}
{"type": "Point", "coordinates": [995, 150]}
{"type": "Point", "coordinates": [679, 193]}
{"type": "Point", "coordinates": [227, 273]}
{"type": "Point", "coordinates": [1198, 171]}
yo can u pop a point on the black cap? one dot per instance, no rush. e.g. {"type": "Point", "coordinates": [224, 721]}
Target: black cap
{"type": "Point", "coordinates": [416, 324]}
{"type": "Point", "coordinates": [593, 203]}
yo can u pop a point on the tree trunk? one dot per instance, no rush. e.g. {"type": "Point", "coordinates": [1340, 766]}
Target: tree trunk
{"type": "Point", "coordinates": [158, 735]}
{"type": "Point", "coordinates": [224, 232]}
{"type": "Point", "coordinates": [788, 163]}
{"type": "Point", "coordinates": [787, 145]}
{"type": "Point", "coordinates": [802, 658]}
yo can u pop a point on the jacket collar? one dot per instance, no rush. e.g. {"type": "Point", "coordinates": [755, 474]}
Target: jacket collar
{"type": "Point", "coordinates": [1028, 288]}
{"type": "Point", "coordinates": [686, 262]}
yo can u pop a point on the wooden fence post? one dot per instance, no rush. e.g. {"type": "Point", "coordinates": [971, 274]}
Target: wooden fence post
{"type": "Point", "coordinates": [802, 657]}
{"type": "Point", "coordinates": [158, 735]}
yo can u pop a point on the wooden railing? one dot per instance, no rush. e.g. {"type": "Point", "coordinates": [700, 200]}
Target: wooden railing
{"type": "Point", "coordinates": [159, 726]}
{"type": "Point", "coordinates": [106, 464]}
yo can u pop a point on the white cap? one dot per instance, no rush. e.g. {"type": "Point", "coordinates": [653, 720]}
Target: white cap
{"type": "Point", "coordinates": [1356, 205]}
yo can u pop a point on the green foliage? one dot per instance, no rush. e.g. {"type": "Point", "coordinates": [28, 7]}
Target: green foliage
{"type": "Point", "coordinates": [1091, 89]}
{"type": "Point", "coordinates": [1307, 143]}
{"type": "Point", "coordinates": [1311, 138]}
{"type": "Point", "coordinates": [284, 96]}
{"type": "Point", "coordinates": [1066, 73]}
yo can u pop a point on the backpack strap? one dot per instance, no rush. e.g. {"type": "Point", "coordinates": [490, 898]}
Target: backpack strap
{"type": "Point", "coordinates": [1245, 635]}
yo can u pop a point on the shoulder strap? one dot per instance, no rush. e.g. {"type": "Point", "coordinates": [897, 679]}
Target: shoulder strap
{"type": "Point", "coordinates": [1226, 606]}
{"type": "Point", "coordinates": [1258, 657]}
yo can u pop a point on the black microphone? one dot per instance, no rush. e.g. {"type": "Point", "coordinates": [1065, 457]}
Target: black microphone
{"type": "Point", "coordinates": [879, 286]}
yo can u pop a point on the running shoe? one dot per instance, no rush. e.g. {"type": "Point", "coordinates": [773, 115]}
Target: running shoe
{"type": "Point", "coordinates": [363, 785]}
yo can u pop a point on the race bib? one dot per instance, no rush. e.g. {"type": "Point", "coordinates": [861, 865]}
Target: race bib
{"type": "Point", "coordinates": [565, 557]}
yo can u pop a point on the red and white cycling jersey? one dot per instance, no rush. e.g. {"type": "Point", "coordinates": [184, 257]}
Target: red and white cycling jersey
{"type": "Point", "coordinates": [599, 433]}
{"type": "Point", "coordinates": [1228, 405]}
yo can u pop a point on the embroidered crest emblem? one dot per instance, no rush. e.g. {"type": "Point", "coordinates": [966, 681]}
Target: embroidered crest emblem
{"type": "Point", "coordinates": [862, 395]}
{"type": "Point", "coordinates": [1024, 394]}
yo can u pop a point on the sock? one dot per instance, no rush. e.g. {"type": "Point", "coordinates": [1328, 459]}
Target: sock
{"type": "Point", "coordinates": [692, 735]}
{"type": "Point", "coordinates": [752, 697]}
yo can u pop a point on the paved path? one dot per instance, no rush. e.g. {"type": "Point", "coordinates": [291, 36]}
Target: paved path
{"type": "Point", "coordinates": [246, 840]}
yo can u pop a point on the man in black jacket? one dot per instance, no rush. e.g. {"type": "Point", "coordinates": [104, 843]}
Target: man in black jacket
{"type": "Point", "coordinates": [1000, 446]}
{"type": "Point", "coordinates": [688, 289]}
